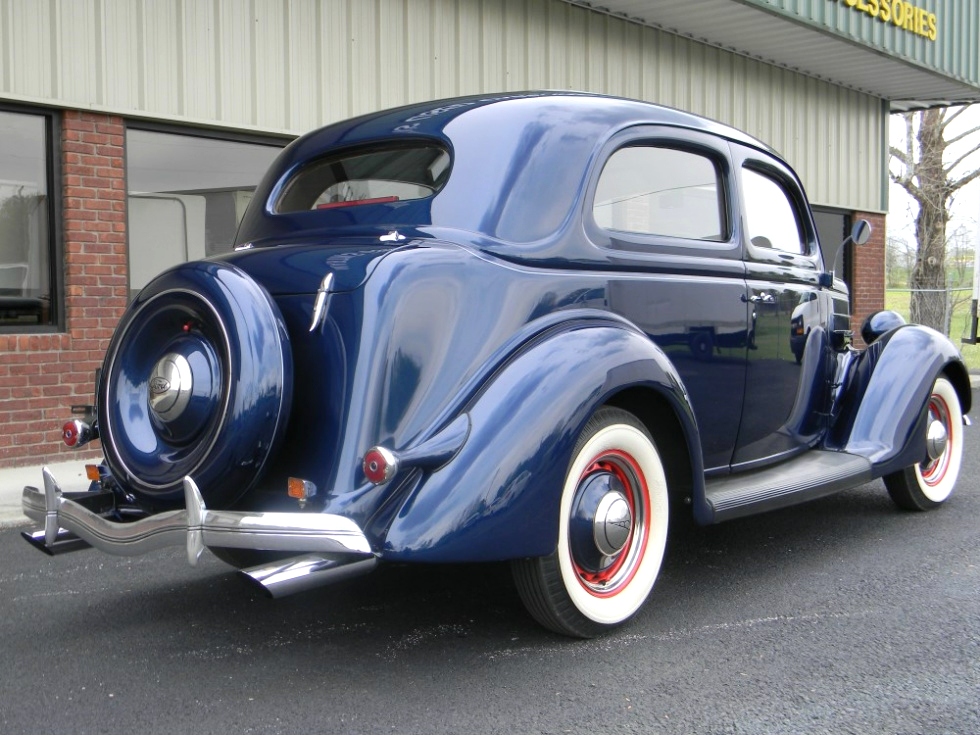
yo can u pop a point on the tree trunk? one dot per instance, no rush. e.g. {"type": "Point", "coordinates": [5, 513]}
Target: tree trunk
{"type": "Point", "coordinates": [928, 277]}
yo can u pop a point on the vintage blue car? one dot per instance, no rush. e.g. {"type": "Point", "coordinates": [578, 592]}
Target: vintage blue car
{"type": "Point", "coordinates": [525, 328]}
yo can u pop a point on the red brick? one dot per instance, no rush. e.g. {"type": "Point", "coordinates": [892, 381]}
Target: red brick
{"type": "Point", "coordinates": [82, 149]}
{"type": "Point", "coordinates": [74, 124]}
{"type": "Point", "coordinates": [868, 276]}
{"type": "Point", "coordinates": [42, 375]}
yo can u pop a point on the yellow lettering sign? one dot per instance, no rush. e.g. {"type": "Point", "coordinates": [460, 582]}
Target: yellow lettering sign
{"type": "Point", "coordinates": [904, 14]}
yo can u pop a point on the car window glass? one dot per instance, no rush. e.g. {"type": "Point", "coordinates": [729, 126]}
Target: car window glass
{"type": "Point", "coordinates": [654, 190]}
{"type": "Point", "coordinates": [771, 218]}
{"type": "Point", "coordinates": [367, 177]}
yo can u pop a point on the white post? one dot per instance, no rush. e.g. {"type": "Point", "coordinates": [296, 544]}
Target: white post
{"type": "Point", "coordinates": [972, 339]}
{"type": "Point", "coordinates": [976, 266]}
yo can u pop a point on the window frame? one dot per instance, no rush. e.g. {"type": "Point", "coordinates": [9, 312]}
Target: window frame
{"type": "Point", "coordinates": [642, 246]}
{"type": "Point", "coordinates": [760, 163]}
{"type": "Point", "coordinates": [56, 247]}
{"type": "Point", "coordinates": [231, 136]}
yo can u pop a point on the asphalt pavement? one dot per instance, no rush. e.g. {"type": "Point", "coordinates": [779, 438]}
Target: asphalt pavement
{"type": "Point", "coordinates": [843, 615]}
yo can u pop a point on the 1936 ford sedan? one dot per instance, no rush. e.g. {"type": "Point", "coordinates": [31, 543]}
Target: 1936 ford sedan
{"type": "Point", "coordinates": [504, 328]}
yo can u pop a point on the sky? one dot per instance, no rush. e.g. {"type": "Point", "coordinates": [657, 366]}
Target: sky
{"type": "Point", "coordinates": [966, 203]}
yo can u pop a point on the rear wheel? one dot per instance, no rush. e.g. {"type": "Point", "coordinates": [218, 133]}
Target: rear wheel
{"type": "Point", "coordinates": [612, 532]}
{"type": "Point", "coordinates": [928, 484]}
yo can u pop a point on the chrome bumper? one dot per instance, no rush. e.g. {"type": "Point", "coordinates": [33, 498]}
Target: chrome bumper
{"type": "Point", "coordinates": [195, 526]}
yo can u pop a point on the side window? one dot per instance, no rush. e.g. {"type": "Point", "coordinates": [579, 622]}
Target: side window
{"type": "Point", "coordinates": [771, 218]}
{"type": "Point", "coordinates": [653, 190]}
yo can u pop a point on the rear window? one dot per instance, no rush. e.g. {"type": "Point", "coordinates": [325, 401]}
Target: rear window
{"type": "Point", "coordinates": [376, 176]}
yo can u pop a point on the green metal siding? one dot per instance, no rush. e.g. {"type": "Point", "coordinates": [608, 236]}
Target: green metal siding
{"type": "Point", "coordinates": [276, 66]}
{"type": "Point", "coordinates": [955, 52]}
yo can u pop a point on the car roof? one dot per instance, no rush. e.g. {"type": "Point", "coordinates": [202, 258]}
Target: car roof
{"type": "Point", "coordinates": [519, 161]}
{"type": "Point", "coordinates": [433, 118]}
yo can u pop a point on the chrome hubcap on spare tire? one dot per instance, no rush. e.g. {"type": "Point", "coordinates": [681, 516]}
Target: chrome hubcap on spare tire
{"type": "Point", "coordinates": [171, 387]}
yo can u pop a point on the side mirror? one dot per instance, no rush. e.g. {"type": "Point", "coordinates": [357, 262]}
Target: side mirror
{"type": "Point", "coordinates": [860, 234]}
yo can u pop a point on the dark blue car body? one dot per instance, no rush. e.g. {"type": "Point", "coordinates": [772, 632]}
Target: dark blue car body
{"type": "Point", "coordinates": [472, 332]}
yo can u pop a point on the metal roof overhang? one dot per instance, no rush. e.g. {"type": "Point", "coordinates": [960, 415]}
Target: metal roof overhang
{"type": "Point", "coordinates": [749, 31]}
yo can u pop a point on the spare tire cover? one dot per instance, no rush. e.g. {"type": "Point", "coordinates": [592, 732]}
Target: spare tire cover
{"type": "Point", "coordinates": [196, 381]}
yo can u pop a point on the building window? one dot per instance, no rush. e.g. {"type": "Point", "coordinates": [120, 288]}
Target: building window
{"type": "Point", "coordinates": [833, 227]}
{"type": "Point", "coordinates": [187, 194]}
{"type": "Point", "coordinates": [27, 259]}
{"type": "Point", "coordinates": [661, 191]}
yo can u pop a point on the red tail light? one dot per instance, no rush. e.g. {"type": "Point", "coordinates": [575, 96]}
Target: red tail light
{"type": "Point", "coordinates": [380, 465]}
{"type": "Point", "coordinates": [76, 433]}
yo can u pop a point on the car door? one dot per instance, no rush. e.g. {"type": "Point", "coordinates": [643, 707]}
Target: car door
{"type": "Point", "coordinates": [787, 306]}
{"type": "Point", "coordinates": [663, 211]}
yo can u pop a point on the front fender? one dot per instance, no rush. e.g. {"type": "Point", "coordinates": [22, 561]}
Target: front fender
{"type": "Point", "coordinates": [888, 393]}
{"type": "Point", "coordinates": [499, 497]}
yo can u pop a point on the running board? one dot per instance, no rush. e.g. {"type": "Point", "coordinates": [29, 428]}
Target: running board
{"type": "Point", "coordinates": [807, 477]}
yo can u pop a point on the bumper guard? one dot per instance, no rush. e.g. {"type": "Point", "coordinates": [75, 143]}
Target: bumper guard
{"type": "Point", "coordinates": [195, 526]}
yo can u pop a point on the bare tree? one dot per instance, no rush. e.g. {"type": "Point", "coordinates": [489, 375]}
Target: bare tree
{"type": "Point", "coordinates": [932, 167]}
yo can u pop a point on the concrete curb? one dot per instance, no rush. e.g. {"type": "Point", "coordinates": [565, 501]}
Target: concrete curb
{"type": "Point", "coordinates": [70, 475]}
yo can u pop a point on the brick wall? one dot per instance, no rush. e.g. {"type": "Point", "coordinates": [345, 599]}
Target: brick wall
{"type": "Point", "coordinates": [42, 375]}
{"type": "Point", "coordinates": [868, 276]}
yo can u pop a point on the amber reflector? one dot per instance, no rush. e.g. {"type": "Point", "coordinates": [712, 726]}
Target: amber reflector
{"type": "Point", "coordinates": [92, 472]}
{"type": "Point", "coordinates": [300, 489]}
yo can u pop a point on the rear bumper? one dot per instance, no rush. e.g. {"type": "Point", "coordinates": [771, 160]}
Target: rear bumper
{"type": "Point", "coordinates": [195, 527]}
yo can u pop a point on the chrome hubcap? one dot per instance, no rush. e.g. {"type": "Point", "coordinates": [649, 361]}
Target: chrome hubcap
{"type": "Point", "coordinates": [936, 440]}
{"type": "Point", "coordinates": [171, 386]}
{"type": "Point", "coordinates": [613, 523]}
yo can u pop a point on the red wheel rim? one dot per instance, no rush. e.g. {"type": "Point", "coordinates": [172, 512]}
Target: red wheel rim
{"type": "Point", "coordinates": [934, 471]}
{"type": "Point", "coordinates": [615, 576]}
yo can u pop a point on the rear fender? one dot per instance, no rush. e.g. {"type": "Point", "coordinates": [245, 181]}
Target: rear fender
{"type": "Point", "coordinates": [883, 418]}
{"type": "Point", "coordinates": [498, 497]}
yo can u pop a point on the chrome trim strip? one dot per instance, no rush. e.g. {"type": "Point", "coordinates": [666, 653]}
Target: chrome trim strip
{"type": "Point", "coordinates": [320, 305]}
{"type": "Point", "coordinates": [195, 526]}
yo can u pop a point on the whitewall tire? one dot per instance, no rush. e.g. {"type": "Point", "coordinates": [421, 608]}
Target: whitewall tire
{"type": "Point", "coordinates": [612, 534]}
{"type": "Point", "coordinates": [928, 484]}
